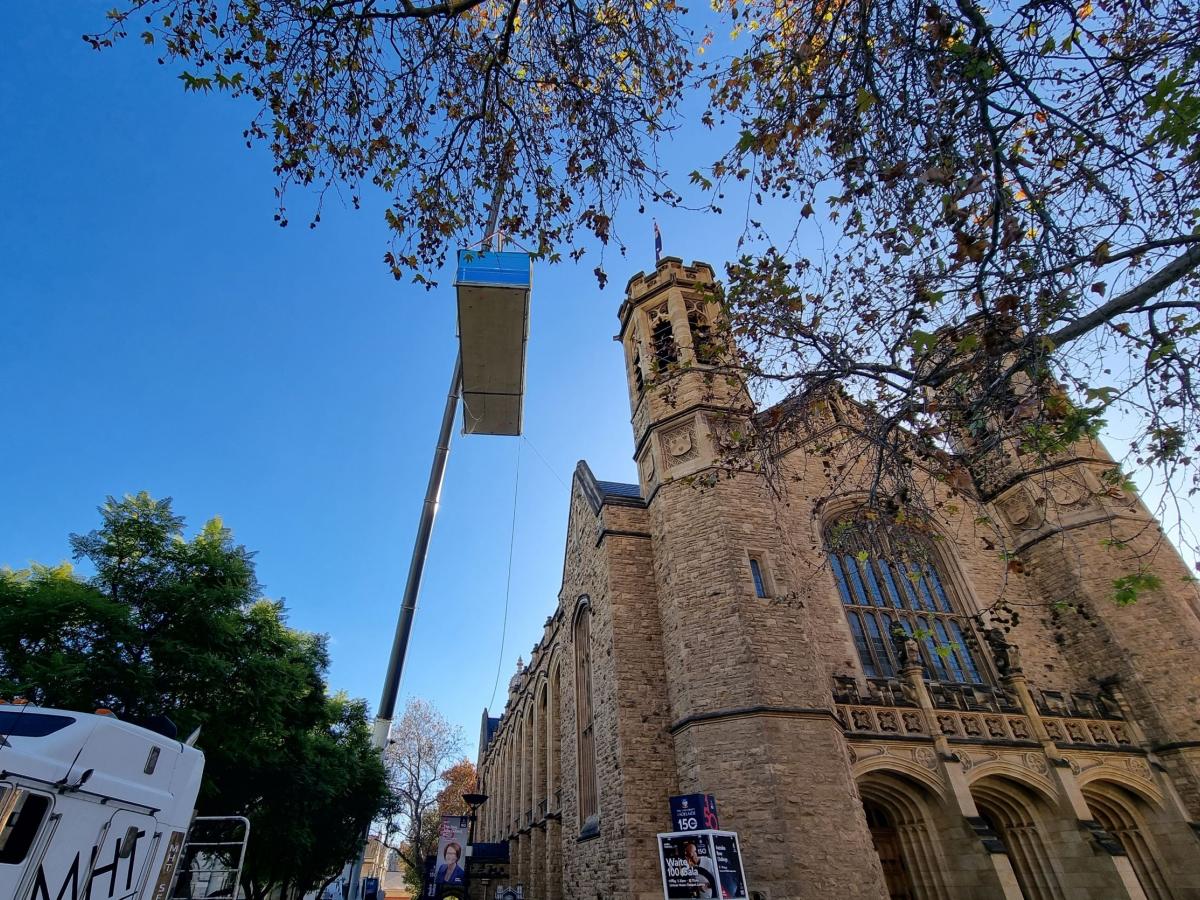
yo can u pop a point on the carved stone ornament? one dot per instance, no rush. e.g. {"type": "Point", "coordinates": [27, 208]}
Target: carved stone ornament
{"type": "Point", "coordinates": [905, 646]}
{"type": "Point", "coordinates": [995, 726]}
{"type": "Point", "coordinates": [1020, 510]}
{"type": "Point", "coordinates": [1098, 483]}
{"type": "Point", "coordinates": [648, 468]}
{"type": "Point", "coordinates": [912, 723]}
{"type": "Point", "coordinates": [680, 444]}
{"type": "Point", "coordinates": [1067, 490]}
{"type": "Point", "coordinates": [1036, 762]}
{"type": "Point", "coordinates": [1006, 655]}
{"type": "Point", "coordinates": [926, 757]}
{"type": "Point", "coordinates": [1138, 767]}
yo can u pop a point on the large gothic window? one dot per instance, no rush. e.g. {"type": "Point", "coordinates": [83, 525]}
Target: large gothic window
{"type": "Point", "coordinates": [888, 580]}
{"type": "Point", "coordinates": [588, 806]}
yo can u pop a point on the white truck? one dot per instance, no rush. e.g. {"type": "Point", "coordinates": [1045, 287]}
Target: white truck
{"type": "Point", "coordinates": [94, 808]}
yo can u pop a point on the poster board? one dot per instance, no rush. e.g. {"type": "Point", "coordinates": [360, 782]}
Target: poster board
{"type": "Point", "coordinates": [450, 868]}
{"type": "Point", "coordinates": [704, 864]}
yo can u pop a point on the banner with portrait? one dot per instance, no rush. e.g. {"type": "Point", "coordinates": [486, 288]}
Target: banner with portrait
{"type": "Point", "coordinates": [451, 865]}
{"type": "Point", "coordinates": [702, 864]}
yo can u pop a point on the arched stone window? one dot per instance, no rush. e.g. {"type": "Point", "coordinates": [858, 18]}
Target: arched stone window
{"type": "Point", "coordinates": [554, 861]}
{"type": "Point", "coordinates": [589, 812]}
{"type": "Point", "coordinates": [891, 578]}
{"type": "Point", "coordinates": [662, 337]}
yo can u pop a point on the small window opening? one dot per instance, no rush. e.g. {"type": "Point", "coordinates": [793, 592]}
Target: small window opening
{"type": "Point", "coordinates": [702, 344]}
{"type": "Point", "coordinates": [665, 351]}
{"type": "Point", "coordinates": [18, 833]}
{"type": "Point", "coordinates": [760, 587]}
{"type": "Point", "coordinates": [637, 370]}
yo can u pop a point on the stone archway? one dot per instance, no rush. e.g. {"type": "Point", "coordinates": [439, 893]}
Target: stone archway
{"type": "Point", "coordinates": [1016, 813]}
{"type": "Point", "coordinates": [1122, 813]}
{"type": "Point", "coordinates": [899, 811]}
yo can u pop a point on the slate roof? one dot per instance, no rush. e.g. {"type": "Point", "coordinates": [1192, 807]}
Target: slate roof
{"type": "Point", "coordinates": [618, 489]}
{"type": "Point", "coordinates": [600, 492]}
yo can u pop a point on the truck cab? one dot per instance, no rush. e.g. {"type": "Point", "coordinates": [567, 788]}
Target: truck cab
{"type": "Point", "coordinates": [91, 807]}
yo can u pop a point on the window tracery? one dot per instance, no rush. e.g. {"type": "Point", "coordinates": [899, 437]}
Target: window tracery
{"type": "Point", "coordinates": [890, 580]}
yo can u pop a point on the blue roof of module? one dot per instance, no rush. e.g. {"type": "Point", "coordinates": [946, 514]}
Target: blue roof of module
{"type": "Point", "coordinates": [494, 268]}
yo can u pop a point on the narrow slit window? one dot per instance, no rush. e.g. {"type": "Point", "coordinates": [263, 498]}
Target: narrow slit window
{"type": "Point", "coordinates": [588, 794]}
{"type": "Point", "coordinates": [760, 587]}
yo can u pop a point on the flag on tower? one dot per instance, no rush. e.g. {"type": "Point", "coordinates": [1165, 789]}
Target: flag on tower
{"type": "Point", "coordinates": [657, 243]}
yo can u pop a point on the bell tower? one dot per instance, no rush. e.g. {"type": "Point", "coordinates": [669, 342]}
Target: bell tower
{"type": "Point", "coordinates": [748, 695]}
{"type": "Point", "coordinates": [679, 370]}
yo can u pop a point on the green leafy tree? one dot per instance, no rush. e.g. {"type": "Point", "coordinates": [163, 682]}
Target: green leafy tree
{"type": "Point", "coordinates": [997, 206]}
{"type": "Point", "coordinates": [549, 108]}
{"type": "Point", "coordinates": [174, 626]}
{"type": "Point", "coordinates": [1014, 195]}
{"type": "Point", "coordinates": [332, 782]}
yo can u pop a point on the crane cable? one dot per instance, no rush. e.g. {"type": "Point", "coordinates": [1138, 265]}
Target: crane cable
{"type": "Point", "coordinates": [512, 537]}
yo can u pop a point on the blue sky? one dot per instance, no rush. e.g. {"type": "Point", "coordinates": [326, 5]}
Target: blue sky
{"type": "Point", "coordinates": [161, 333]}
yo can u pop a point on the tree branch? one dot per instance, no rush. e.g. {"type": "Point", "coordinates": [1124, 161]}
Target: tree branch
{"type": "Point", "coordinates": [1184, 263]}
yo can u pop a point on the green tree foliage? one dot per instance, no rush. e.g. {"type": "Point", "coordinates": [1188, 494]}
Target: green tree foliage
{"type": "Point", "coordinates": [993, 210]}
{"type": "Point", "coordinates": [438, 103]}
{"type": "Point", "coordinates": [176, 626]}
{"type": "Point", "coordinates": [1014, 194]}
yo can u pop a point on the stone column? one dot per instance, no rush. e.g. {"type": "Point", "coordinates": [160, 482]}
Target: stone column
{"type": "Point", "coordinates": [554, 859]}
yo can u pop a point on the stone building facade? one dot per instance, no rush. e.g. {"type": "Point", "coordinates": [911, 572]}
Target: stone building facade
{"type": "Point", "coordinates": [737, 636]}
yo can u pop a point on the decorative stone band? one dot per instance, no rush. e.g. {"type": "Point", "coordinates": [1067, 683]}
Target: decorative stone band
{"type": "Point", "coordinates": [980, 727]}
{"type": "Point", "coordinates": [741, 712]}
